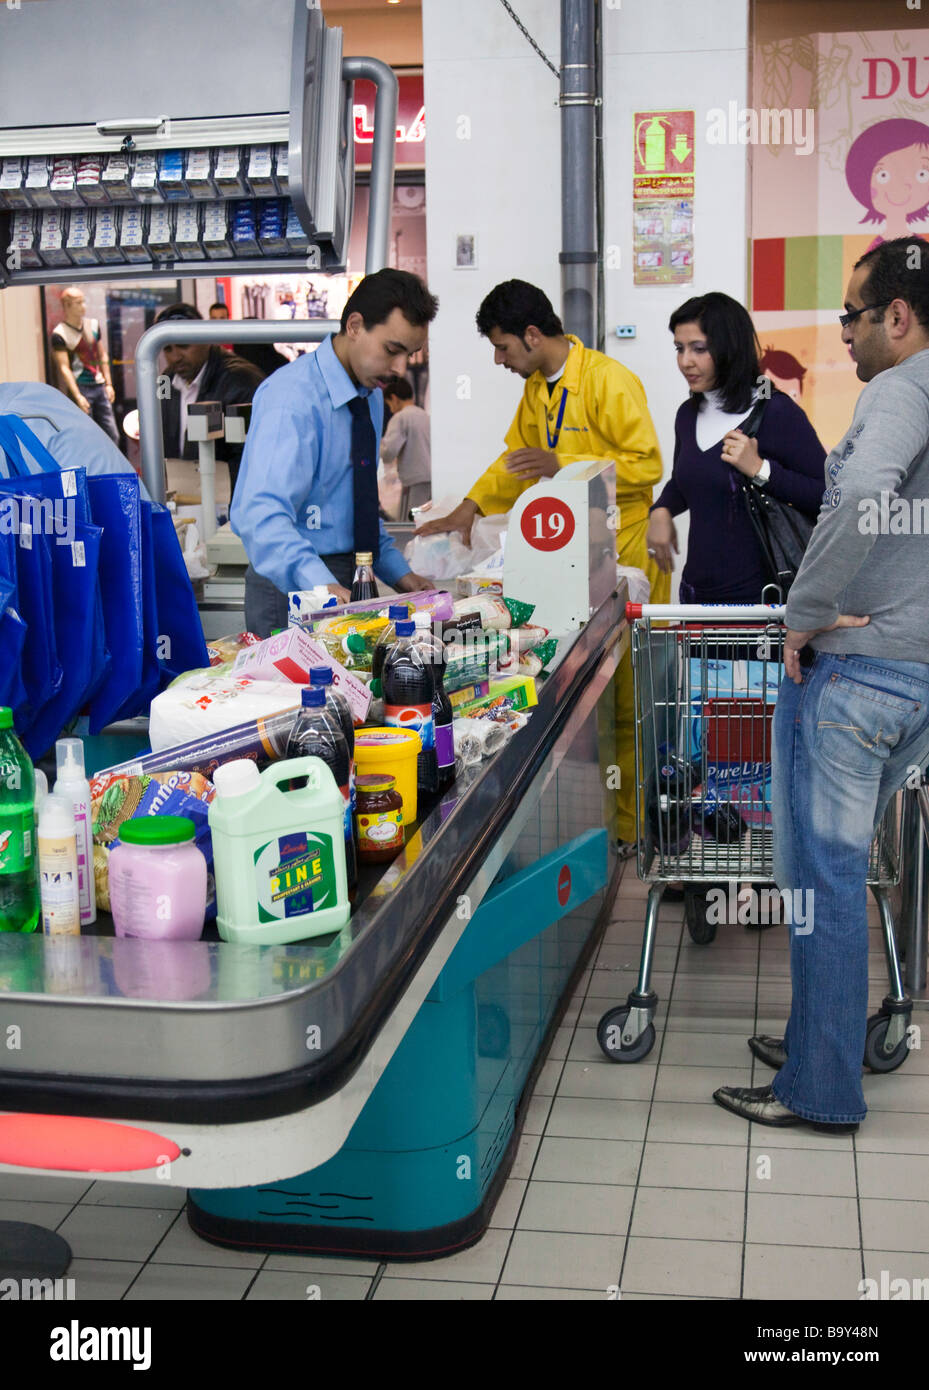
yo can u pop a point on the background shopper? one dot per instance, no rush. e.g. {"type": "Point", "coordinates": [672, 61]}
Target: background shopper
{"type": "Point", "coordinates": [406, 441]}
{"type": "Point", "coordinates": [852, 717]}
{"type": "Point", "coordinates": [82, 362]}
{"type": "Point", "coordinates": [202, 373]}
{"type": "Point", "coordinates": [719, 356]}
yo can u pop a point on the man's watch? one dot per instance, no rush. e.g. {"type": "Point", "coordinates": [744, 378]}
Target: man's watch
{"type": "Point", "coordinates": [763, 474]}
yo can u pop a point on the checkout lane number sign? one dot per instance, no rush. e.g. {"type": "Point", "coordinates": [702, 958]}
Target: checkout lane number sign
{"type": "Point", "coordinates": [547, 524]}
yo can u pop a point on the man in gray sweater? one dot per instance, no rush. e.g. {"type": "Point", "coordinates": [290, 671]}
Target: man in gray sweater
{"type": "Point", "coordinates": [852, 718]}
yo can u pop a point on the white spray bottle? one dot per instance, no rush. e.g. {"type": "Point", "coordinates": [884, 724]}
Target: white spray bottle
{"type": "Point", "coordinates": [72, 784]}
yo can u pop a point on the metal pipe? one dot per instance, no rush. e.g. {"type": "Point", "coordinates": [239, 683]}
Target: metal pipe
{"type": "Point", "coordinates": [579, 253]}
{"type": "Point", "coordinates": [383, 155]}
{"type": "Point", "coordinates": [151, 435]}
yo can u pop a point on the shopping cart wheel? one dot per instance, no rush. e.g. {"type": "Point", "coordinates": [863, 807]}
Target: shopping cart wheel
{"type": "Point", "coordinates": [875, 1056]}
{"type": "Point", "coordinates": [701, 930]}
{"type": "Point", "coordinates": [610, 1037]}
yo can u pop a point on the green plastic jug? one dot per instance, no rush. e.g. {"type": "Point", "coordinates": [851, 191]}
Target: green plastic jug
{"type": "Point", "coordinates": [278, 852]}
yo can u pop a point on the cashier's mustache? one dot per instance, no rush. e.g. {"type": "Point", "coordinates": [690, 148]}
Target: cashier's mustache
{"type": "Point", "coordinates": [39, 516]}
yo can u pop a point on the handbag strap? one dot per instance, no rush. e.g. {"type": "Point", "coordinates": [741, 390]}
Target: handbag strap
{"type": "Point", "coordinates": [752, 423]}
{"type": "Point", "coordinates": [14, 432]}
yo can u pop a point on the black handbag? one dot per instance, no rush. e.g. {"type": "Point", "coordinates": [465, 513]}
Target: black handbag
{"type": "Point", "coordinates": [783, 532]}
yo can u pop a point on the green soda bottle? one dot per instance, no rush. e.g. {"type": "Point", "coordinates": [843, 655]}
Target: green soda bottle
{"type": "Point", "coordinates": [19, 892]}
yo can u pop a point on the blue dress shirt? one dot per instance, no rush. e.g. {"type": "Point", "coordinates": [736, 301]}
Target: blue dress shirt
{"type": "Point", "coordinates": [294, 499]}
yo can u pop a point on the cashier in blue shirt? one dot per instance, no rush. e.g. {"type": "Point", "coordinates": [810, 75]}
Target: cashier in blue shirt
{"type": "Point", "coordinates": [306, 499]}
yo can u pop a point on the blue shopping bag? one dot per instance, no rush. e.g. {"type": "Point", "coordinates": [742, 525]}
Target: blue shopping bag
{"type": "Point", "coordinates": [150, 673]}
{"type": "Point", "coordinates": [75, 585]}
{"type": "Point", "coordinates": [182, 646]}
{"type": "Point", "coordinates": [59, 500]}
{"type": "Point", "coordinates": [115, 506]}
{"type": "Point", "coordinates": [12, 638]}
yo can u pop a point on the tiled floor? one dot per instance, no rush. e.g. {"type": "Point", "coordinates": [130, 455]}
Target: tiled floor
{"type": "Point", "coordinates": [627, 1176]}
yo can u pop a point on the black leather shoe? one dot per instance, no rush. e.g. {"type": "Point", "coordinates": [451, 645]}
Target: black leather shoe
{"type": "Point", "coordinates": [768, 1050]}
{"type": "Point", "coordinates": [762, 1107]}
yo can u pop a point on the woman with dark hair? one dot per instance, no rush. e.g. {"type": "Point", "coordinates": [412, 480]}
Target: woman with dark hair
{"type": "Point", "coordinates": [720, 358]}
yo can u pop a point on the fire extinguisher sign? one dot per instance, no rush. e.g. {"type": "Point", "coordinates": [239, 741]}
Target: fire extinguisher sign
{"type": "Point", "coordinates": [663, 194]}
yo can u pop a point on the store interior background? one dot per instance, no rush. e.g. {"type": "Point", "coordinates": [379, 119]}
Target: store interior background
{"type": "Point", "coordinates": [492, 172]}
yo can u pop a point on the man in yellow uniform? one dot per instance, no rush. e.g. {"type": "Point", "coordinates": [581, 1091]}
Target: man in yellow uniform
{"type": "Point", "coordinates": [577, 403]}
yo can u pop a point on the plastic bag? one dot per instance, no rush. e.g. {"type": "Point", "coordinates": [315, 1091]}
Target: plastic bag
{"type": "Point", "coordinates": [488, 538]}
{"type": "Point", "coordinates": [440, 557]}
{"type": "Point", "coordinates": [640, 590]}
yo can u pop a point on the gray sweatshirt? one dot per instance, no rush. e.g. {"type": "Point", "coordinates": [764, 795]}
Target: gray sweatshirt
{"type": "Point", "coordinates": [869, 553]}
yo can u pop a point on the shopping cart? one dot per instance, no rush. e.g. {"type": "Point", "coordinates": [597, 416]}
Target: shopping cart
{"type": "Point", "coordinates": [706, 681]}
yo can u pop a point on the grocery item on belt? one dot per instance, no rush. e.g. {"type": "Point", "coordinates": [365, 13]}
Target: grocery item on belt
{"type": "Point", "coordinates": [263, 740]}
{"type": "Point", "coordinates": [116, 798]}
{"type": "Point", "coordinates": [467, 694]}
{"type": "Point", "coordinates": [291, 655]}
{"type": "Point", "coordinates": [516, 693]}
{"type": "Point", "coordinates": [222, 649]}
{"type": "Point", "coordinates": [482, 736]}
{"type": "Point", "coordinates": [436, 602]}
{"type": "Point", "coordinates": [396, 752]}
{"type": "Point", "coordinates": [202, 703]}
{"type": "Point", "coordinates": [280, 852]}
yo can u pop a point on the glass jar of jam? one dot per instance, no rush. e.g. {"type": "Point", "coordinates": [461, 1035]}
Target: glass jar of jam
{"type": "Point", "coordinates": [378, 818]}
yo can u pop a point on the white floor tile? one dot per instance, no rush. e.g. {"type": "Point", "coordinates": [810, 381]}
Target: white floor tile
{"type": "Point", "coordinates": [273, 1285]}
{"type": "Point", "coordinates": [481, 1264]}
{"type": "Point", "coordinates": [116, 1233]}
{"type": "Point", "coordinates": [580, 1208]}
{"type": "Point", "coordinates": [801, 1272]}
{"type": "Point", "coordinates": [677, 1213]}
{"type": "Point", "coordinates": [165, 1282]}
{"type": "Point", "coordinates": [690, 1267]}
{"type": "Point", "coordinates": [564, 1260]}
{"type": "Point", "coordinates": [430, 1290]}
{"type": "Point", "coordinates": [776, 1218]}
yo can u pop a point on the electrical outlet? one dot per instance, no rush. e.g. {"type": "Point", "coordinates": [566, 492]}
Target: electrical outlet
{"type": "Point", "coordinates": [626, 330]}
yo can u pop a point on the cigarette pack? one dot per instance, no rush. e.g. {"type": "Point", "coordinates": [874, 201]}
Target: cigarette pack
{"type": "Point", "coordinates": [261, 171]}
{"type": "Point", "coordinates": [37, 181]}
{"type": "Point", "coordinates": [115, 178]}
{"type": "Point", "coordinates": [199, 174]}
{"type": "Point", "coordinates": [145, 178]}
{"type": "Point", "coordinates": [52, 233]}
{"type": "Point", "coordinates": [23, 251]}
{"type": "Point", "coordinates": [171, 176]}
{"type": "Point", "coordinates": [187, 233]}
{"type": "Point", "coordinates": [80, 237]}
{"type": "Point", "coordinates": [12, 185]}
{"type": "Point", "coordinates": [216, 242]}
{"type": "Point", "coordinates": [228, 173]}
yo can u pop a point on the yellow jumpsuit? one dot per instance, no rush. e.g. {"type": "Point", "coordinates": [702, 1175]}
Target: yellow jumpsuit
{"type": "Point", "coordinates": [606, 416]}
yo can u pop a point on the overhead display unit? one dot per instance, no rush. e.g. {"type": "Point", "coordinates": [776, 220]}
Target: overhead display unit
{"type": "Point", "coordinates": [146, 152]}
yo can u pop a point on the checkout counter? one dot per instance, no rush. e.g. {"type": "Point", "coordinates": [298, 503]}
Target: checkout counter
{"type": "Point", "coordinates": [364, 1093]}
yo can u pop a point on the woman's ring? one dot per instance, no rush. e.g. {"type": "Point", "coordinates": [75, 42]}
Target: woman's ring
{"type": "Point", "coordinates": [651, 552]}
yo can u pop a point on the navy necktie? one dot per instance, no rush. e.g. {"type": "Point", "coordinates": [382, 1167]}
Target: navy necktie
{"type": "Point", "coordinates": [364, 473]}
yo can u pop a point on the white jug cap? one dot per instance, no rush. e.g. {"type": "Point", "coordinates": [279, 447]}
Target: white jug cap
{"type": "Point", "coordinates": [236, 778]}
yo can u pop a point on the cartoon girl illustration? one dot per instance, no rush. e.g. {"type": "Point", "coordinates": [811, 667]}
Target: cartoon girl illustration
{"type": "Point", "coordinates": [887, 170]}
{"type": "Point", "coordinates": [785, 371]}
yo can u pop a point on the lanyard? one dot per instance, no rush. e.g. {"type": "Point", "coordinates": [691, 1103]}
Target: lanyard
{"type": "Point", "coordinates": [553, 443]}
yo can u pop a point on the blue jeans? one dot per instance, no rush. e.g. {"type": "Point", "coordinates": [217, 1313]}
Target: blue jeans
{"type": "Point", "coordinates": [844, 742]}
{"type": "Point", "coordinates": [101, 412]}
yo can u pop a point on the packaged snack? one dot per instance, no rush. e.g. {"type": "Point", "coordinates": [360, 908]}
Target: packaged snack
{"type": "Point", "coordinates": [515, 693]}
{"type": "Point", "coordinates": [436, 602]}
{"type": "Point", "coordinates": [222, 649]}
{"type": "Point", "coordinates": [116, 798]}
{"type": "Point", "coordinates": [291, 655]}
{"type": "Point", "coordinates": [203, 703]}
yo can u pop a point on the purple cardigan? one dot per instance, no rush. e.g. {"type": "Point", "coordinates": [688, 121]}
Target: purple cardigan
{"type": "Point", "coordinates": [723, 556]}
